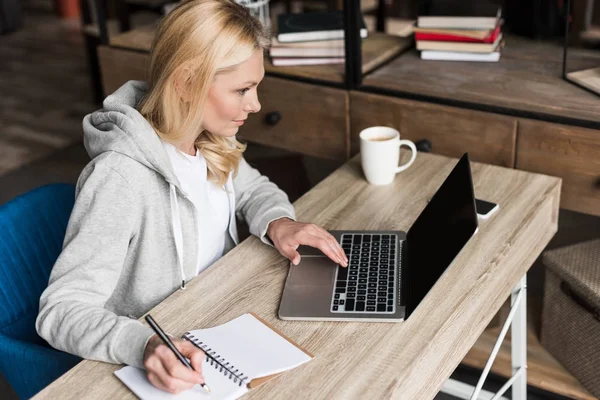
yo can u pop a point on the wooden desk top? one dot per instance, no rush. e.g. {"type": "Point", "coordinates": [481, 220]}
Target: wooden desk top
{"type": "Point", "coordinates": [527, 78]}
{"type": "Point", "coordinates": [409, 360]}
{"type": "Point", "coordinates": [377, 49]}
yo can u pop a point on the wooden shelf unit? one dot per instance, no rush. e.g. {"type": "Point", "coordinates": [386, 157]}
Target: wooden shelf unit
{"type": "Point", "coordinates": [525, 82]}
{"type": "Point", "coordinates": [377, 49]}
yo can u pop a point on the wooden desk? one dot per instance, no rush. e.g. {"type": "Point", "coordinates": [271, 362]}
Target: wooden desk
{"type": "Point", "coordinates": [409, 360]}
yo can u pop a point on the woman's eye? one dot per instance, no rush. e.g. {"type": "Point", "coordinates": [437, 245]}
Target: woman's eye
{"type": "Point", "coordinates": [243, 91]}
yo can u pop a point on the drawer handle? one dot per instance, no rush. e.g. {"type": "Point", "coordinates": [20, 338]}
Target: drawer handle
{"type": "Point", "coordinates": [423, 145]}
{"type": "Point", "coordinates": [273, 118]}
{"type": "Point", "coordinates": [569, 292]}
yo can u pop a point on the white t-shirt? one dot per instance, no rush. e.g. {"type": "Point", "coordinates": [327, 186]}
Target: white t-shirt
{"type": "Point", "coordinates": [211, 202]}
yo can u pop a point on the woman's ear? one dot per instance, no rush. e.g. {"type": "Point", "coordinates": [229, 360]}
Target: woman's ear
{"type": "Point", "coordinates": [183, 83]}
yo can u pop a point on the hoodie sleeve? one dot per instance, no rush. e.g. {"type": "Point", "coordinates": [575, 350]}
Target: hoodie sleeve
{"type": "Point", "coordinates": [259, 201]}
{"type": "Point", "coordinates": [72, 316]}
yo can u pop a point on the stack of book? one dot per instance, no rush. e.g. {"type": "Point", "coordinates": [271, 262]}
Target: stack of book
{"type": "Point", "coordinates": [459, 38]}
{"type": "Point", "coordinates": [310, 39]}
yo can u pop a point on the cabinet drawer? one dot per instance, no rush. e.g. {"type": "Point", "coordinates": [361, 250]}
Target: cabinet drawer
{"type": "Point", "coordinates": [118, 66]}
{"type": "Point", "coordinates": [568, 152]}
{"type": "Point", "coordinates": [300, 117]}
{"type": "Point", "coordinates": [487, 137]}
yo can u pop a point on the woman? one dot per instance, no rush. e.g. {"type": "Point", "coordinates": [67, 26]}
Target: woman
{"type": "Point", "coordinates": [158, 201]}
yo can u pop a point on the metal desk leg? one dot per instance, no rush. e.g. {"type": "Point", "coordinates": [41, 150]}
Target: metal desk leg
{"type": "Point", "coordinates": [519, 342]}
{"type": "Point", "coordinates": [518, 317]}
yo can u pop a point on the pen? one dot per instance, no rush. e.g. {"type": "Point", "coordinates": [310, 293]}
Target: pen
{"type": "Point", "coordinates": [170, 344]}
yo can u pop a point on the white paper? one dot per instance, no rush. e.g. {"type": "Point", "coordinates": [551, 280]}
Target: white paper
{"type": "Point", "coordinates": [251, 347]}
{"type": "Point", "coordinates": [220, 386]}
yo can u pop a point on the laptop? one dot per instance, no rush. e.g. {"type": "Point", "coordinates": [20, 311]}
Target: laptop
{"type": "Point", "coordinates": [389, 272]}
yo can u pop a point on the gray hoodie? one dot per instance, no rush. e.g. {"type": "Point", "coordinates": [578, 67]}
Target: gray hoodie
{"type": "Point", "coordinates": [132, 236]}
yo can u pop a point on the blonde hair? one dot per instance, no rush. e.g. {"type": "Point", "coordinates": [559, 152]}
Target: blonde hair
{"type": "Point", "coordinates": [198, 40]}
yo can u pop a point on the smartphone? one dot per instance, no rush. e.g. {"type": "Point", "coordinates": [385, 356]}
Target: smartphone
{"type": "Point", "coordinates": [485, 209]}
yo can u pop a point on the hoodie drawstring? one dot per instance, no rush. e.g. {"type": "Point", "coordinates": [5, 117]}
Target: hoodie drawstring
{"type": "Point", "coordinates": [177, 231]}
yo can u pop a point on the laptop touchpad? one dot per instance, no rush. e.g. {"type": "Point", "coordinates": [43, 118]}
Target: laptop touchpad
{"type": "Point", "coordinates": [314, 271]}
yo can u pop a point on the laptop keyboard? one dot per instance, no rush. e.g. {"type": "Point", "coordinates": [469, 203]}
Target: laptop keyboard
{"type": "Point", "coordinates": [368, 284]}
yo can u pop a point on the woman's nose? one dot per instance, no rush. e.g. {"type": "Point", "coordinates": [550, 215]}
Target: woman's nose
{"type": "Point", "coordinates": [253, 106]}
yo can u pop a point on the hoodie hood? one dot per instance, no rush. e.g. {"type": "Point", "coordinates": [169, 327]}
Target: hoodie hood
{"type": "Point", "coordinates": [119, 127]}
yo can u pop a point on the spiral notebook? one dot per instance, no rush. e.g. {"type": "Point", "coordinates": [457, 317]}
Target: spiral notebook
{"type": "Point", "coordinates": [246, 352]}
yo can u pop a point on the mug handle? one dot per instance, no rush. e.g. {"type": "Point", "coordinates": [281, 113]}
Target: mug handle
{"type": "Point", "coordinates": [412, 157]}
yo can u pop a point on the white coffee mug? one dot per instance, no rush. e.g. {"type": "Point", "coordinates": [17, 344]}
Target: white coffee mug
{"type": "Point", "coordinates": [380, 154]}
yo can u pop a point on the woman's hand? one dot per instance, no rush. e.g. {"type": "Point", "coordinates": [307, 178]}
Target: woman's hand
{"type": "Point", "coordinates": [287, 235]}
{"type": "Point", "coordinates": [166, 372]}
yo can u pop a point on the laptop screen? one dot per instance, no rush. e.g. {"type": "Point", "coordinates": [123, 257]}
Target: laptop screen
{"type": "Point", "coordinates": [439, 233]}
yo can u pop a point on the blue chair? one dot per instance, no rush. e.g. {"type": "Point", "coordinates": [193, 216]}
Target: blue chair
{"type": "Point", "coordinates": [32, 230]}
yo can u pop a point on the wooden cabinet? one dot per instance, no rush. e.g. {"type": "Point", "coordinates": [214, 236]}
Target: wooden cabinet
{"type": "Point", "coordinates": [487, 137]}
{"type": "Point", "coordinates": [118, 66]}
{"type": "Point", "coordinates": [300, 117]}
{"type": "Point", "coordinates": [568, 152]}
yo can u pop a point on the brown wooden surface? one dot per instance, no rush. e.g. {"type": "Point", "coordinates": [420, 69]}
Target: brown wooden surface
{"type": "Point", "coordinates": [567, 152]}
{"type": "Point", "coordinates": [119, 66]}
{"type": "Point", "coordinates": [487, 137]}
{"type": "Point", "coordinates": [313, 118]}
{"type": "Point", "coordinates": [592, 34]}
{"type": "Point", "coordinates": [408, 360]}
{"type": "Point", "coordinates": [543, 371]}
{"type": "Point", "coordinates": [377, 49]}
{"type": "Point", "coordinates": [588, 78]}
{"type": "Point", "coordinates": [527, 78]}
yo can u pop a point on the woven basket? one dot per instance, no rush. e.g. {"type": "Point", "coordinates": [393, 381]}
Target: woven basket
{"type": "Point", "coordinates": [571, 315]}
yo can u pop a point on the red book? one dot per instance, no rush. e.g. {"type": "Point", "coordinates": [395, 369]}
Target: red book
{"type": "Point", "coordinates": [449, 37]}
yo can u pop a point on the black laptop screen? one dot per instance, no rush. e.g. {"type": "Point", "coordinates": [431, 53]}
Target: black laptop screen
{"type": "Point", "coordinates": [439, 233]}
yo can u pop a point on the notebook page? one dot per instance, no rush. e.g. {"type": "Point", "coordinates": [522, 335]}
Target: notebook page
{"type": "Point", "coordinates": [220, 386]}
{"type": "Point", "coordinates": [251, 347]}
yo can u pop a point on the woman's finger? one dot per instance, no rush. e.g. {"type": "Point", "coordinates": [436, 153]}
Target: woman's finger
{"type": "Point", "coordinates": [340, 256]}
{"type": "Point", "coordinates": [289, 251]}
{"type": "Point", "coordinates": [293, 255]}
{"type": "Point", "coordinates": [177, 370]}
{"type": "Point", "coordinates": [156, 382]}
{"type": "Point", "coordinates": [320, 243]}
{"type": "Point", "coordinates": [161, 378]}
{"type": "Point", "coordinates": [335, 246]}
{"type": "Point", "coordinates": [194, 354]}
{"type": "Point", "coordinates": [174, 374]}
